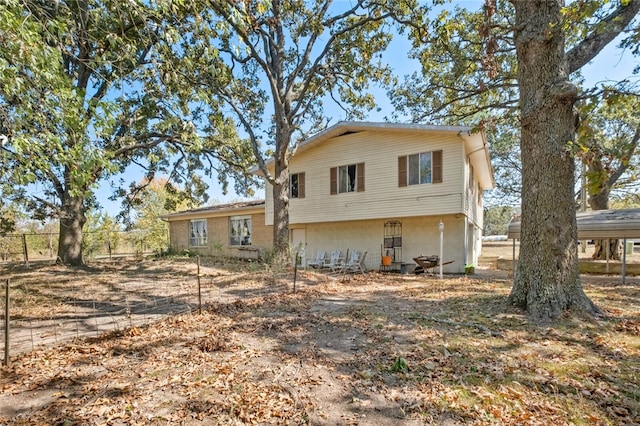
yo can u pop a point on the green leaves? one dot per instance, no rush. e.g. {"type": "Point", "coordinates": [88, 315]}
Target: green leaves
{"type": "Point", "coordinates": [89, 89]}
{"type": "Point", "coordinates": [607, 144]}
{"type": "Point", "coordinates": [112, 88]}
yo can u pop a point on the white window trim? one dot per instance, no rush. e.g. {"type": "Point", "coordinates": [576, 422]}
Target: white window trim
{"type": "Point", "coordinates": [200, 240]}
{"type": "Point", "coordinates": [419, 154]}
{"type": "Point", "coordinates": [250, 231]}
{"type": "Point", "coordinates": [341, 176]}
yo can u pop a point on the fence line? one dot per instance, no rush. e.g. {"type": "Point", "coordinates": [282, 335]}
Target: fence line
{"type": "Point", "coordinates": [97, 244]}
{"type": "Point", "coordinates": [44, 314]}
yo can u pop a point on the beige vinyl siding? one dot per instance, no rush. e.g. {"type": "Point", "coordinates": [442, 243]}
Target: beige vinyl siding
{"type": "Point", "coordinates": [472, 202]}
{"type": "Point", "coordinates": [480, 212]}
{"type": "Point", "coordinates": [382, 198]}
{"type": "Point", "coordinates": [467, 190]}
{"type": "Point", "coordinates": [420, 236]}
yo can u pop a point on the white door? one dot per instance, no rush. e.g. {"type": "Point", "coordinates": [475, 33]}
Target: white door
{"type": "Point", "coordinates": [299, 244]}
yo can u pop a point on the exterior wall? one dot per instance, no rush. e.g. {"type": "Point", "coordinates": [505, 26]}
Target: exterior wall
{"type": "Point", "coordinates": [218, 236]}
{"type": "Point", "coordinates": [420, 236]}
{"type": "Point", "coordinates": [179, 235]}
{"type": "Point", "coordinates": [382, 197]}
{"type": "Point", "coordinates": [473, 203]}
{"type": "Point", "coordinates": [473, 196]}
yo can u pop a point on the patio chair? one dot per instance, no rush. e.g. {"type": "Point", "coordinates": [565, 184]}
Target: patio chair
{"type": "Point", "coordinates": [321, 258]}
{"type": "Point", "coordinates": [356, 262]}
{"type": "Point", "coordinates": [335, 261]}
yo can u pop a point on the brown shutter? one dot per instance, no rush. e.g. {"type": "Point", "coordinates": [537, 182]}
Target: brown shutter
{"type": "Point", "coordinates": [402, 171]}
{"type": "Point", "coordinates": [437, 167]}
{"type": "Point", "coordinates": [360, 177]}
{"type": "Point", "coordinates": [301, 185]}
{"type": "Point", "coordinates": [334, 180]}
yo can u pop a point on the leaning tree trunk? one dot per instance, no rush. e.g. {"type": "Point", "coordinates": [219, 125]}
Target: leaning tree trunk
{"type": "Point", "coordinates": [547, 281]}
{"type": "Point", "coordinates": [600, 201]}
{"type": "Point", "coordinates": [71, 222]}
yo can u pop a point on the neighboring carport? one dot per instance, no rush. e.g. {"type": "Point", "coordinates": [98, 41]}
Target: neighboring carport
{"type": "Point", "coordinates": [597, 225]}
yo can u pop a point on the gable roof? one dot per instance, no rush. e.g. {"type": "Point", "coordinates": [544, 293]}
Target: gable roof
{"type": "Point", "coordinates": [241, 207]}
{"type": "Point", "coordinates": [475, 142]}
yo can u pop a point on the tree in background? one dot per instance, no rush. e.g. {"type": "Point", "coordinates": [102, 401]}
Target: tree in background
{"type": "Point", "coordinates": [150, 205]}
{"type": "Point", "coordinates": [477, 66]}
{"type": "Point", "coordinates": [507, 166]}
{"type": "Point", "coordinates": [8, 217]}
{"type": "Point", "coordinates": [496, 220]}
{"type": "Point", "coordinates": [100, 234]}
{"type": "Point", "coordinates": [89, 88]}
{"type": "Point", "coordinates": [608, 147]}
{"type": "Point", "coordinates": [274, 64]}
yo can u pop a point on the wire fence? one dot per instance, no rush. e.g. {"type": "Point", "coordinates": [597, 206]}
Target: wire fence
{"type": "Point", "coordinates": [47, 309]}
{"type": "Point", "coordinates": [27, 247]}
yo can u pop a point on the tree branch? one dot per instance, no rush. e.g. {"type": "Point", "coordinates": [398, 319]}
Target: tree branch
{"type": "Point", "coordinates": [628, 154]}
{"type": "Point", "coordinates": [607, 30]}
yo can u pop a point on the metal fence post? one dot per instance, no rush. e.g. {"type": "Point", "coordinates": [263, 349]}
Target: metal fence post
{"type": "Point", "coordinates": [25, 251]}
{"type": "Point", "coordinates": [199, 288]}
{"type": "Point", "coordinates": [7, 360]}
{"type": "Point", "coordinates": [109, 244]}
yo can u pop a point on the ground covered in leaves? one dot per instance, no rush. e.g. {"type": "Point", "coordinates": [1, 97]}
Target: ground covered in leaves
{"type": "Point", "coordinates": [369, 349]}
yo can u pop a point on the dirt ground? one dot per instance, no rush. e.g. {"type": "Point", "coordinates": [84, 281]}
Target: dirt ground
{"type": "Point", "coordinates": [373, 349]}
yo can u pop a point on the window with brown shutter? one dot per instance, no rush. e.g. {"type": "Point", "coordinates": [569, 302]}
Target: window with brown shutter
{"type": "Point", "coordinates": [437, 166]}
{"type": "Point", "coordinates": [421, 168]}
{"type": "Point", "coordinates": [349, 178]}
{"type": "Point", "coordinates": [402, 171]}
{"type": "Point", "coordinates": [301, 185]}
{"type": "Point", "coordinates": [333, 177]}
{"type": "Point", "coordinates": [360, 177]}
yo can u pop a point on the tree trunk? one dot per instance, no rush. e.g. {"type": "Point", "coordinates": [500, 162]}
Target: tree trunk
{"type": "Point", "coordinates": [600, 201]}
{"type": "Point", "coordinates": [600, 249]}
{"type": "Point", "coordinates": [72, 220]}
{"type": "Point", "coordinates": [547, 281]}
{"type": "Point", "coordinates": [281, 216]}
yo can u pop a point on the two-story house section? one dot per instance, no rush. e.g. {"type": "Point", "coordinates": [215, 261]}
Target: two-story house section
{"type": "Point", "coordinates": [384, 188]}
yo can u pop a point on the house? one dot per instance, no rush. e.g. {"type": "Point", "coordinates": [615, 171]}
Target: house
{"type": "Point", "coordinates": [235, 229]}
{"type": "Point", "coordinates": [383, 188]}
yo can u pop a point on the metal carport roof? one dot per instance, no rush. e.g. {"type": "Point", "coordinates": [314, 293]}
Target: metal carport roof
{"type": "Point", "coordinates": [598, 224]}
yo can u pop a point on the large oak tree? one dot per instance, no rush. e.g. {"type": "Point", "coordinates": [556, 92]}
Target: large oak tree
{"type": "Point", "coordinates": [275, 64]}
{"type": "Point", "coordinates": [518, 62]}
{"type": "Point", "coordinates": [87, 89]}
{"type": "Point", "coordinates": [548, 281]}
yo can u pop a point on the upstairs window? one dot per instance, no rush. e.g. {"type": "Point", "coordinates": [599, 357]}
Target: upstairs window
{"type": "Point", "coordinates": [296, 185]}
{"type": "Point", "coordinates": [349, 178]}
{"type": "Point", "coordinates": [416, 169]}
{"type": "Point", "coordinates": [198, 233]}
{"type": "Point", "coordinates": [240, 231]}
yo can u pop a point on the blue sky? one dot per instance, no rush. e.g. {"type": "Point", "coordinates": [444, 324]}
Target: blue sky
{"type": "Point", "coordinates": [612, 64]}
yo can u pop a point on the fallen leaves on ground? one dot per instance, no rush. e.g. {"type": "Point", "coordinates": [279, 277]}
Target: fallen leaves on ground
{"type": "Point", "coordinates": [373, 350]}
